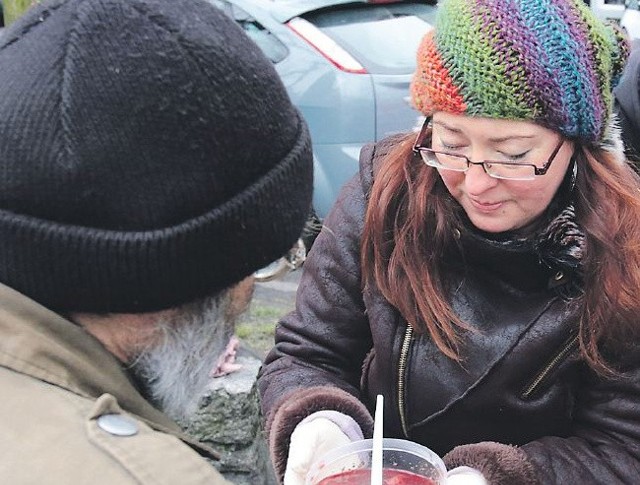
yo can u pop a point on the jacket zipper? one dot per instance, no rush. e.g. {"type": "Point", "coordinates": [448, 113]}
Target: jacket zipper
{"type": "Point", "coordinates": [402, 367]}
{"type": "Point", "coordinates": [567, 348]}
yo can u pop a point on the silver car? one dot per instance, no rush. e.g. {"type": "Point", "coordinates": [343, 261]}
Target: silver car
{"type": "Point", "coordinates": [346, 65]}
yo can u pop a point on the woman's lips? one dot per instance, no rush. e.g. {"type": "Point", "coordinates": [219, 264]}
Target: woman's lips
{"type": "Point", "coordinates": [485, 206]}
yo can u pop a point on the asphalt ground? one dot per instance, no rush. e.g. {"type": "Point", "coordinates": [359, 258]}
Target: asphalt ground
{"type": "Point", "coordinates": [271, 300]}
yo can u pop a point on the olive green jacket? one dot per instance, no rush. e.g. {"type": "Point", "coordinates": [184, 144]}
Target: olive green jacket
{"type": "Point", "coordinates": [56, 382]}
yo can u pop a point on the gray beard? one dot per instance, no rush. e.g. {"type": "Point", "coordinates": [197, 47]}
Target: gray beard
{"type": "Point", "coordinates": [175, 370]}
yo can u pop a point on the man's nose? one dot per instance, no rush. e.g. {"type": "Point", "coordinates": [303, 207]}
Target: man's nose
{"type": "Point", "coordinates": [477, 180]}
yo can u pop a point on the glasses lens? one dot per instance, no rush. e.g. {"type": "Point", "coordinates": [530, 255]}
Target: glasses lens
{"type": "Point", "coordinates": [444, 160]}
{"type": "Point", "coordinates": [510, 171]}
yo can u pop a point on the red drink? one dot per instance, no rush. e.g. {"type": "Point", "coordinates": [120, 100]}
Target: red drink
{"type": "Point", "coordinates": [363, 477]}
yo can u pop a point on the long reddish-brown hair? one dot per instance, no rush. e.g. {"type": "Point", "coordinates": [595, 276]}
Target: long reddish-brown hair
{"type": "Point", "coordinates": [409, 228]}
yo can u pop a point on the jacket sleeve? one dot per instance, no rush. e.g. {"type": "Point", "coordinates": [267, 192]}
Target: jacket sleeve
{"type": "Point", "coordinates": [320, 347]}
{"type": "Point", "coordinates": [603, 447]}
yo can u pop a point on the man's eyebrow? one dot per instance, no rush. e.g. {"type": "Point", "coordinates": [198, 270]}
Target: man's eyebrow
{"type": "Point", "coordinates": [499, 139]}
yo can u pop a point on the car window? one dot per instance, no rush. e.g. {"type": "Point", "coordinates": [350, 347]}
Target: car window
{"type": "Point", "coordinates": [275, 50]}
{"type": "Point", "coordinates": [382, 37]}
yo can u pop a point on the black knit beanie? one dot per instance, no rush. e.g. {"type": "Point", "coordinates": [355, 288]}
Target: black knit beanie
{"type": "Point", "coordinates": [149, 155]}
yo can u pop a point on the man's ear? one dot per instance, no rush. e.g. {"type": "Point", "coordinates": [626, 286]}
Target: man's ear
{"type": "Point", "coordinates": [122, 334]}
{"type": "Point", "coordinates": [239, 298]}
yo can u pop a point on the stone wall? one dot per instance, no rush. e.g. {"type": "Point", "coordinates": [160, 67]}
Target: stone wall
{"type": "Point", "coordinates": [228, 420]}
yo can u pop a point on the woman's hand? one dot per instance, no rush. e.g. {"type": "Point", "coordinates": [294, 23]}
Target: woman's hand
{"type": "Point", "coordinates": [464, 475]}
{"type": "Point", "coordinates": [316, 435]}
{"type": "Point", "coordinates": [309, 441]}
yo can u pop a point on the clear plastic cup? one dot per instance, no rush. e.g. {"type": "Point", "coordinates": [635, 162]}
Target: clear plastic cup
{"type": "Point", "coordinates": [403, 462]}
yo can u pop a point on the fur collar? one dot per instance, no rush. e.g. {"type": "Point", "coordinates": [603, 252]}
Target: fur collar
{"type": "Point", "coordinates": [562, 243]}
{"type": "Point", "coordinates": [561, 246]}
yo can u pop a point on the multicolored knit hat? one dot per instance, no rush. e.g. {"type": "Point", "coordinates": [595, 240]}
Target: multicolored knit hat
{"type": "Point", "coordinates": [547, 61]}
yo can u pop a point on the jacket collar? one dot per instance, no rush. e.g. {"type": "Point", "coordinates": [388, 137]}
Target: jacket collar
{"type": "Point", "coordinates": [557, 246]}
{"type": "Point", "coordinates": [42, 344]}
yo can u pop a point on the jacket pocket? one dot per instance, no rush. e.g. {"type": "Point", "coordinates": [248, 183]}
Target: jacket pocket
{"type": "Point", "coordinates": [543, 377]}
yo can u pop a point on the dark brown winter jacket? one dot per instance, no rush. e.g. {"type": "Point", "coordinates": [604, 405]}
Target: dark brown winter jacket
{"type": "Point", "coordinates": [523, 408]}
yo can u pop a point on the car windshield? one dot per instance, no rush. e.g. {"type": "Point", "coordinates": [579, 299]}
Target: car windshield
{"type": "Point", "coordinates": [382, 37]}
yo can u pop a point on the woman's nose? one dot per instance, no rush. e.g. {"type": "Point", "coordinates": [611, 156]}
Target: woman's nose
{"type": "Point", "coordinates": [477, 180]}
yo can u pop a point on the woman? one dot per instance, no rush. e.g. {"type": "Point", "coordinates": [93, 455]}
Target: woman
{"type": "Point", "coordinates": [484, 276]}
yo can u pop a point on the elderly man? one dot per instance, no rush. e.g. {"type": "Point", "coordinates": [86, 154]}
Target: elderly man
{"type": "Point", "coordinates": [150, 162]}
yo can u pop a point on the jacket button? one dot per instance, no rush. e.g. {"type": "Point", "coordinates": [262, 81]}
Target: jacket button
{"type": "Point", "coordinates": [117, 425]}
{"type": "Point", "coordinates": [558, 276]}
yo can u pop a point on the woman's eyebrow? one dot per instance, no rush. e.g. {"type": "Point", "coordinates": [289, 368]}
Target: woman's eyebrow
{"type": "Point", "coordinates": [446, 127]}
{"type": "Point", "coordinates": [498, 139]}
{"type": "Point", "coordinates": [501, 139]}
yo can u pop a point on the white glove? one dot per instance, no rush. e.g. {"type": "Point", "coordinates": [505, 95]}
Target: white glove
{"type": "Point", "coordinates": [464, 475]}
{"type": "Point", "coordinates": [313, 437]}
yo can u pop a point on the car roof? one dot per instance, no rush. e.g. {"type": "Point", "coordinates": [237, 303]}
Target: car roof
{"type": "Point", "coordinates": [284, 10]}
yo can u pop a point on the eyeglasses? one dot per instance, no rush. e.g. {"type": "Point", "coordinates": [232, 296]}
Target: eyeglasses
{"type": "Point", "coordinates": [494, 168]}
{"type": "Point", "coordinates": [287, 263]}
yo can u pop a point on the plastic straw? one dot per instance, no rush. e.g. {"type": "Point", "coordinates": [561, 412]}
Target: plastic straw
{"type": "Point", "coordinates": [376, 455]}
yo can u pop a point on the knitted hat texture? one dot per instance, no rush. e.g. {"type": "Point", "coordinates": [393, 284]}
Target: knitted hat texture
{"type": "Point", "coordinates": [547, 61]}
{"type": "Point", "coordinates": [149, 155]}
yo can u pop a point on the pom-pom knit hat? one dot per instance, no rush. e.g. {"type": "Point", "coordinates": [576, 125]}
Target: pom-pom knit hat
{"type": "Point", "coordinates": [547, 61]}
{"type": "Point", "coordinates": [149, 155]}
